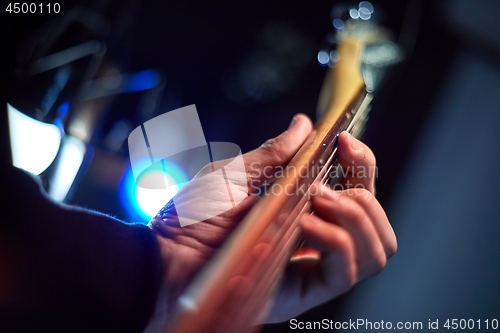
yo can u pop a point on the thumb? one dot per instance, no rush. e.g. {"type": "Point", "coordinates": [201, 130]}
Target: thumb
{"type": "Point", "coordinates": [263, 163]}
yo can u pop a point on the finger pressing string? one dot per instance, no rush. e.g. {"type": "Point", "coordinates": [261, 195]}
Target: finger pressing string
{"type": "Point", "coordinates": [359, 168]}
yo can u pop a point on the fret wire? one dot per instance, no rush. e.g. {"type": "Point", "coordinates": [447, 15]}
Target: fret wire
{"type": "Point", "coordinates": [332, 156]}
{"type": "Point", "coordinates": [361, 112]}
{"type": "Point", "coordinates": [326, 177]}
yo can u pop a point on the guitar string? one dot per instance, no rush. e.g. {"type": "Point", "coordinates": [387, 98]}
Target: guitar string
{"type": "Point", "coordinates": [276, 262]}
{"type": "Point", "coordinates": [284, 252]}
{"type": "Point", "coordinates": [354, 126]}
{"type": "Point", "coordinates": [279, 260]}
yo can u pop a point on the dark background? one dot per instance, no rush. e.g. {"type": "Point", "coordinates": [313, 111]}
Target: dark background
{"type": "Point", "coordinates": [250, 66]}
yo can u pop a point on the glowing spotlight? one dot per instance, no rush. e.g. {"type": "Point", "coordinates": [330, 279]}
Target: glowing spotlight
{"type": "Point", "coordinates": [67, 166]}
{"type": "Point", "coordinates": [34, 144]}
{"type": "Point", "coordinates": [144, 203]}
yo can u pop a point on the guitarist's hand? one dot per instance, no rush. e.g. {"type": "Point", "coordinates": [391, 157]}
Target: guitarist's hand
{"type": "Point", "coordinates": [352, 231]}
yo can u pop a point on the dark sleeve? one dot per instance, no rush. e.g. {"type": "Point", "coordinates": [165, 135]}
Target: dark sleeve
{"type": "Point", "coordinates": [66, 269]}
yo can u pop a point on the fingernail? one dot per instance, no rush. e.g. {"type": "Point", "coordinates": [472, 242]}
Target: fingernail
{"type": "Point", "coordinates": [355, 143]}
{"type": "Point", "coordinates": [294, 121]}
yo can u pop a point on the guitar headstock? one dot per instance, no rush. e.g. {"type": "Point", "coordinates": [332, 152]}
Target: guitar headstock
{"type": "Point", "coordinates": [358, 53]}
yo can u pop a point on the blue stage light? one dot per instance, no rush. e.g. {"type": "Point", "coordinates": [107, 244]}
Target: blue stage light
{"type": "Point", "coordinates": [143, 80]}
{"type": "Point", "coordinates": [142, 203]}
{"type": "Point", "coordinates": [63, 109]}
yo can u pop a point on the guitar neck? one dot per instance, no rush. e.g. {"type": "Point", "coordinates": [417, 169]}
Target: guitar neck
{"type": "Point", "coordinates": [234, 290]}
